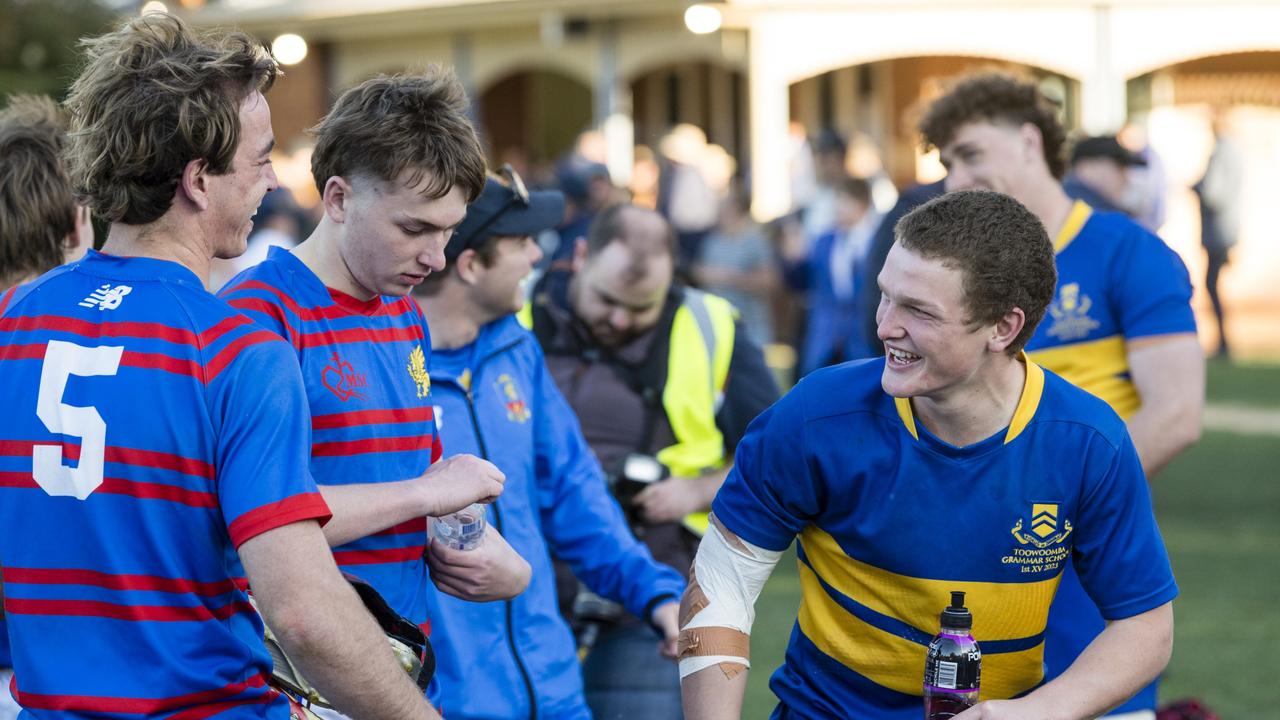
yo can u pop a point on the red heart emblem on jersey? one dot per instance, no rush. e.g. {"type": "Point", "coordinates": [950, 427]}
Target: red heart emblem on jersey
{"type": "Point", "coordinates": [334, 377]}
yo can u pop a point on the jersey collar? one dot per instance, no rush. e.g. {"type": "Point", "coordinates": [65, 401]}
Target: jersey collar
{"type": "Point", "coordinates": [1079, 215]}
{"type": "Point", "coordinates": [1032, 389]}
{"type": "Point", "coordinates": [129, 267]}
{"type": "Point", "coordinates": [352, 305]}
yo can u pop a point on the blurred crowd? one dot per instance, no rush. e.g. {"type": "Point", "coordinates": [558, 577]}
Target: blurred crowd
{"type": "Point", "coordinates": [617, 267]}
{"type": "Point", "coordinates": [804, 283]}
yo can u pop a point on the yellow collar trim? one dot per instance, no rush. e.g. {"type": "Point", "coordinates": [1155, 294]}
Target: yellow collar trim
{"type": "Point", "coordinates": [1032, 390]}
{"type": "Point", "coordinates": [908, 419]}
{"type": "Point", "coordinates": [1076, 219]}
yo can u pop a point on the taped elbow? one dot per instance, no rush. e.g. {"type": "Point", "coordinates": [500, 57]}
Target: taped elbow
{"type": "Point", "coordinates": [718, 607]}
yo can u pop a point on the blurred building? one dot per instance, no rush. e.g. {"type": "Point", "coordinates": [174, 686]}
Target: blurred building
{"type": "Point", "coordinates": [542, 71]}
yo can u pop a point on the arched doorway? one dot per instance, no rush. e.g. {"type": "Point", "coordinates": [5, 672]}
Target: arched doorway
{"type": "Point", "coordinates": [876, 105]}
{"type": "Point", "coordinates": [532, 117]}
{"type": "Point", "coordinates": [702, 93]}
{"type": "Point", "coordinates": [1176, 108]}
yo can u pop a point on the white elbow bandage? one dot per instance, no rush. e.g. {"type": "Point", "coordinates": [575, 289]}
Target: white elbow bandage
{"type": "Point", "coordinates": [719, 606]}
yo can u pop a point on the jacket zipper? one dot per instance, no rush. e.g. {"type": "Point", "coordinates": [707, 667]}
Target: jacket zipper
{"type": "Point", "coordinates": [497, 516]}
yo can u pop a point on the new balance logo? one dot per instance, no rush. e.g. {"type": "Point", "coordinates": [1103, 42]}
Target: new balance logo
{"type": "Point", "coordinates": [106, 297]}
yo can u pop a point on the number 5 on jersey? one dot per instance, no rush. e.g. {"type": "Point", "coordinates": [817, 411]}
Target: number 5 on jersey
{"type": "Point", "coordinates": [61, 361]}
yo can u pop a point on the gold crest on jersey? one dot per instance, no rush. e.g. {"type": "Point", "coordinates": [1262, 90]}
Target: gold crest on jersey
{"type": "Point", "coordinates": [1044, 527]}
{"type": "Point", "coordinates": [418, 371]}
{"type": "Point", "coordinates": [1043, 548]}
{"type": "Point", "coordinates": [1070, 314]}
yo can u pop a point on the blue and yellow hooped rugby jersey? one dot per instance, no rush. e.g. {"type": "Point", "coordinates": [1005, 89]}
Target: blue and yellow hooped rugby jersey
{"type": "Point", "coordinates": [364, 364]}
{"type": "Point", "coordinates": [891, 519]}
{"type": "Point", "coordinates": [1116, 282]}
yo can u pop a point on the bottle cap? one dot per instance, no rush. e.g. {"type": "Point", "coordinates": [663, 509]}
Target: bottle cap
{"type": "Point", "coordinates": [956, 615]}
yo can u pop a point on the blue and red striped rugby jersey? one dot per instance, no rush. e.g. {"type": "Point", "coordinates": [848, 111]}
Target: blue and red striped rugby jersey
{"type": "Point", "coordinates": [364, 366]}
{"type": "Point", "coordinates": [149, 431]}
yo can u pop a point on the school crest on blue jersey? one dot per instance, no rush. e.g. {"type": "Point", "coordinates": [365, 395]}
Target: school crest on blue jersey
{"type": "Point", "coordinates": [517, 408]}
{"type": "Point", "coordinates": [1070, 314]}
{"type": "Point", "coordinates": [1041, 538]}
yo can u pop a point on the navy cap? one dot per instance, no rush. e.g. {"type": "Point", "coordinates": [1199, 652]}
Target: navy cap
{"type": "Point", "coordinates": [575, 177]}
{"type": "Point", "coordinates": [1105, 146]}
{"type": "Point", "coordinates": [501, 211]}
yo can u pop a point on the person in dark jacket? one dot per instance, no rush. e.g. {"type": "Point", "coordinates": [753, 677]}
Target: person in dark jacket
{"type": "Point", "coordinates": [664, 381]}
{"type": "Point", "coordinates": [830, 273]}
{"type": "Point", "coordinates": [494, 397]}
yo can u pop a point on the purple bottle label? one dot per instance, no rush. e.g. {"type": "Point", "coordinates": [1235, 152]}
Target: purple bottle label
{"type": "Point", "coordinates": [953, 664]}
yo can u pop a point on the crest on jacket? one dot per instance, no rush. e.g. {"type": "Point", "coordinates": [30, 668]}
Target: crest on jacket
{"type": "Point", "coordinates": [517, 408]}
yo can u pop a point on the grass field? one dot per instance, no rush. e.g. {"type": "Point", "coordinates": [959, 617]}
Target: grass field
{"type": "Point", "coordinates": [1217, 505]}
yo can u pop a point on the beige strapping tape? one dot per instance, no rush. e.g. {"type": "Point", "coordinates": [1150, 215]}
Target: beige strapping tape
{"type": "Point", "coordinates": [729, 537]}
{"type": "Point", "coordinates": [694, 599]}
{"type": "Point", "coordinates": [698, 642]}
{"type": "Point", "coordinates": [731, 669]}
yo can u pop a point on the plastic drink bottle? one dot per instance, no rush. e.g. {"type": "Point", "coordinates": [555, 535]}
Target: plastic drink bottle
{"type": "Point", "coordinates": [462, 530]}
{"type": "Point", "coordinates": [953, 666]}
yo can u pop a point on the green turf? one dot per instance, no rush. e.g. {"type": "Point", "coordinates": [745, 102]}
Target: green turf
{"type": "Point", "coordinates": [1248, 384]}
{"type": "Point", "coordinates": [1217, 505]}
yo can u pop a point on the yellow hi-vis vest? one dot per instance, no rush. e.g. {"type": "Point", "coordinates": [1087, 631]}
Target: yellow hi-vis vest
{"type": "Point", "coordinates": [697, 369]}
{"type": "Point", "coordinates": [701, 346]}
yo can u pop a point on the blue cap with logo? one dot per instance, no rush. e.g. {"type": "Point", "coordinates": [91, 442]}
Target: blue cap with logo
{"type": "Point", "coordinates": [506, 210]}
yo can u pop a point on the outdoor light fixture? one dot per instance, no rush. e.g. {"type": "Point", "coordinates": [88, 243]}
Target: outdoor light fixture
{"type": "Point", "coordinates": [289, 49]}
{"type": "Point", "coordinates": [155, 6]}
{"type": "Point", "coordinates": [702, 19]}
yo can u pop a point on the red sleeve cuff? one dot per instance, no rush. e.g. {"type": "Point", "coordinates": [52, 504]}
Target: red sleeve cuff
{"type": "Point", "coordinates": [295, 508]}
{"type": "Point", "coordinates": [437, 449]}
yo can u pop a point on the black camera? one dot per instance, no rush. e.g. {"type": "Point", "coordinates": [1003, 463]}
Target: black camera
{"type": "Point", "coordinates": [636, 472]}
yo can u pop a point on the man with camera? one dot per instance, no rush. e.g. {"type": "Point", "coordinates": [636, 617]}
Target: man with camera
{"type": "Point", "coordinates": [494, 398]}
{"type": "Point", "coordinates": [664, 382]}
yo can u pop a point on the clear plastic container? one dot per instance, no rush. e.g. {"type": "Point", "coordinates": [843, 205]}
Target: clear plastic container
{"type": "Point", "coordinates": [462, 530]}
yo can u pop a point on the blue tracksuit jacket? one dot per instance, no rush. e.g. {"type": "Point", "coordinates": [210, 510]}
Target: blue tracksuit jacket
{"type": "Point", "coordinates": [517, 659]}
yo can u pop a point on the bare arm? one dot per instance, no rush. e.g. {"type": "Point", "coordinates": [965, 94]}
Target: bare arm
{"type": "Point", "coordinates": [324, 627]}
{"type": "Point", "coordinates": [1168, 371]}
{"type": "Point", "coordinates": [1118, 663]}
{"type": "Point", "coordinates": [448, 485]}
{"type": "Point", "coordinates": [673, 498]}
{"type": "Point", "coordinates": [716, 614]}
{"type": "Point", "coordinates": [710, 695]}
